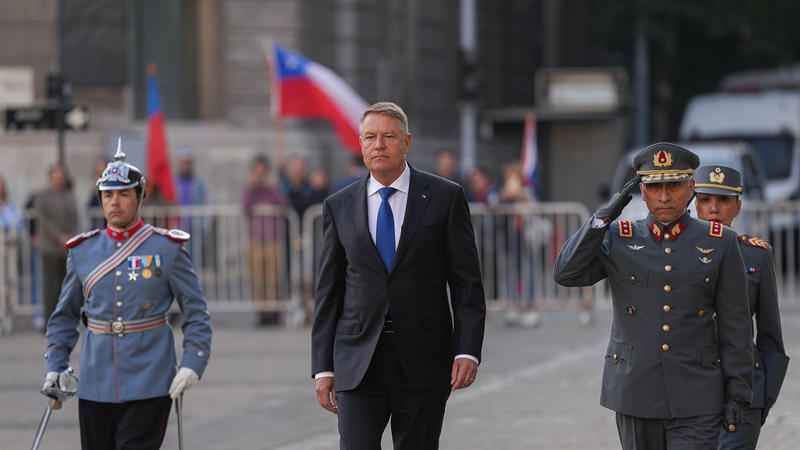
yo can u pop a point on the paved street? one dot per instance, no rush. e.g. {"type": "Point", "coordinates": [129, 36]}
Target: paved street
{"type": "Point", "coordinates": [536, 389]}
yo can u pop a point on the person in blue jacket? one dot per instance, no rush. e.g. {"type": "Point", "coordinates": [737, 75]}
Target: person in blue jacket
{"type": "Point", "coordinates": [120, 283]}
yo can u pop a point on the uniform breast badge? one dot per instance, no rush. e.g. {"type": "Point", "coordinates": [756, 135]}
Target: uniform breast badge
{"type": "Point", "coordinates": [157, 260]}
{"type": "Point", "coordinates": [635, 247]}
{"type": "Point", "coordinates": [704, 251]}
{"type": "Point", "coordinates": [134, 263]}
{"type": "Point", "coordinates": [147, 273]}
{"type": "Point", "coordinates": [704, 259]}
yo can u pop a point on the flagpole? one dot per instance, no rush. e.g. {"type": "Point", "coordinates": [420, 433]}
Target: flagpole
{"type": "Point", "coordinates": [274, 96]}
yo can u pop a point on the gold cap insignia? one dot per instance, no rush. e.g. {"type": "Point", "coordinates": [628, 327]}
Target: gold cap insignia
{"type": "Point", "coordinates": [662, 159]}
{"type": "Point", "coordinates": [716, 176]}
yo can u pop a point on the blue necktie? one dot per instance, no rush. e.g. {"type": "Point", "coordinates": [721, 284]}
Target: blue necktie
{"type": "Point", "coordinates": [384, 230]}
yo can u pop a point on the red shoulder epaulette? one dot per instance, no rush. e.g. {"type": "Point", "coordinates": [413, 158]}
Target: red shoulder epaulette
{"type": "Point", "coordinates": [81, 237]}
{"type": "Point", "coordinates": [754, 241]}
{"type": "Point", "coordinates": [173, 234]}
{"type": "Point", "coordinates": [715, 230]}
{"type": "Point", "coordinates": [625, 229]}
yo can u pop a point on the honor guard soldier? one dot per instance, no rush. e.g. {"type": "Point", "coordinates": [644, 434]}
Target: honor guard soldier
{"type": "Point", "coordinates": [678, 363]}
{"type": "Point", "coordinates": [717, 189]}
{"type": "Point", "coordinates": [121, 282]}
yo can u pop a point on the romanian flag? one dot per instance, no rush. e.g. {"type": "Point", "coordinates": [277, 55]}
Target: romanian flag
{"type": "Point", "coordinates": [159, 172]}
{"type": "Point", "coordinates": [304, 89]}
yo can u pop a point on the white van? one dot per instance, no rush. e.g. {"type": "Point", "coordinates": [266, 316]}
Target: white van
{"type": "Point", "coordinates": [769, 120]}
{"type": "Point", "coordinates": [733, 154]}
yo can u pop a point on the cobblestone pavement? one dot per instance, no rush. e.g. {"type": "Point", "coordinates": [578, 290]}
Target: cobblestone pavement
{"type": "Point", "coordinates": [536, 389]}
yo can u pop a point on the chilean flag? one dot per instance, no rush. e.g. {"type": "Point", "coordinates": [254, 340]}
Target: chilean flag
{"type": "Point", "coordinates": [159, 172]}
{"type": "Point", "coordinates": [528, 159]}
{"type": "Point", "coordinates": [304, 89]}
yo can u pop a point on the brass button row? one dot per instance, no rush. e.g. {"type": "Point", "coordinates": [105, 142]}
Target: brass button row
{"type": "Point", "coordinates": [666, 308]}
{"type": "Point", "coordinates": [665, 328]}
{"type": "Point", "coordinates": [668, 250]}
{"type": "Point", "coordinates": [668, 268]}
{"type": "Point", "coordinates": [667, 288]}
{"type": "Point", "coordinates": [665, 347]}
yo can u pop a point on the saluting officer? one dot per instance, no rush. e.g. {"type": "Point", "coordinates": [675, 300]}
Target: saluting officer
{"type": "Point", "coordinates": [125, 278]}
{"type": "Point", "coordinates": [670, 374]}
{"type": "Point", "coordinates": [718, 189]}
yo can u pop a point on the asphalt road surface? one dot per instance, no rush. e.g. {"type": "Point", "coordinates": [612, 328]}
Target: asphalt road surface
{"type": "Point", "coordinates": [536, 389]}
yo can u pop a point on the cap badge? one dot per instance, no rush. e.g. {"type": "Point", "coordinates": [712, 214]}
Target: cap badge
{"type": "Point", "coordinates": [717, 176]}
{"type": "Point", "coordinates": [662, 159]}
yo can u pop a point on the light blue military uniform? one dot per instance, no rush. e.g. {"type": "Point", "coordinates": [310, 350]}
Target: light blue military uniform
{"type": "Point", "coordinates": [118, 368]}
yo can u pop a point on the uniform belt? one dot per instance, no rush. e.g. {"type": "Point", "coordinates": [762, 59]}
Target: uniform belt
{"type": "Point", "coordinates": [387, 327]}
{"type": "Point", "coordinates": [122, 327]}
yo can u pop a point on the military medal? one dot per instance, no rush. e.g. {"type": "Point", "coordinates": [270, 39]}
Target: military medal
{"type": "Point", "coordinates": [134, 263]}
{"type": "Point", "coordinates": [157, 259]}
{"type": "Point", "coordinates": [146, 273]}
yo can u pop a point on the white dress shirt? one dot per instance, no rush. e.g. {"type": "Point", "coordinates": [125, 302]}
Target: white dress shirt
{"type": "Point", "coordinates": [397, 202]}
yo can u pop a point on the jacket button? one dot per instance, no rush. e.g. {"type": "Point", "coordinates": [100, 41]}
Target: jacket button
{"type": "Point", "coordinates": [719, 360]}
{"type": "Point", "coordinates": [668, 250]}
{"type": "Point", "coordinates": [708, 279]}
{"type": "Point", "coordinates": [119, 244]}
{"type": "Point", "coordinates": [119, 287]}
{"type": "Point", "coordinates": [666, 236]}
{"type": "Point", "coordinates": [119, 304]}
{"type": "Point", "coordinates": [665, 347]}
{"type": "Point", "coordinates": [615, 356]}
{"type": "Point", "coordinates": [118, 273]}
{"type": "Point", "coordinates": [667, 288]}
{"type": "Point", "coordinates": [667, 267]}
{"type": "Point", "coordinates": [633, 277]}
{"type": "Point", "coordinates": [756, 364]}
{"type": "Point", "coordinates": [666, 308]}
{"type": "Point", "coordinates": [714, 315]}
{"type": "Point", "coordinates": [665, 328]}
{"type": "Point", "coordinates": [701, 313]}
{"type": "Point", "coordinates": [199, 353]}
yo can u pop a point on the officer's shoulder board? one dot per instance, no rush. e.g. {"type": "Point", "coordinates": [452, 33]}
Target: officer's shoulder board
{"type": "Point", "coordinates": [625, 229]}
{"type": "Point", "coordinates": [715, 230]}
{"type": "Point", "coordinates": [75, 240]}
{"type": "Point", "coordinates": [753, 241]}
{"type": "Point", "coordinates": [173, 234]}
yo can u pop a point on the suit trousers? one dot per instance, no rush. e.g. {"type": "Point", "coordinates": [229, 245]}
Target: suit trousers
{"type": "Point", "coordinates": [681, 433]}
{"type": "Point", "coordinates": [54, 268]}
{"type": "Point", "coordinates": [746, 435]}
{"type": "Point", "coordinates": [138, 424]}
{"type": "Point", "coordinates": [384, 393]}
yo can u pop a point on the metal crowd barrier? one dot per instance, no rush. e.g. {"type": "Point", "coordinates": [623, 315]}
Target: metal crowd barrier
{"type": "Point", "coordinates": [517, 245]}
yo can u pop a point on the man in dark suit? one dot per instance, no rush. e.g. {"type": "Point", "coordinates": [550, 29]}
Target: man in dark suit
{"type": "Point", "coordinates": [393, 243]}
{"type": "Point", "coordinates": [679, 362]}
{"type": "Point", "coordinates": [718, 189]}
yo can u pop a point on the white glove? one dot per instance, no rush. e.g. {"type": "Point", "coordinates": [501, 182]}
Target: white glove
{"type": "Point", "coordinates": [50, 380]}
{"type": "Point", "coordinates": [183, 380]}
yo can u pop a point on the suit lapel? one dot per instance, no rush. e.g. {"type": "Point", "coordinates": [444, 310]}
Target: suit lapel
{"type": "Point", "coordinates": [360, 216]}
{"type": "Point", "coordinates": [418, 200]}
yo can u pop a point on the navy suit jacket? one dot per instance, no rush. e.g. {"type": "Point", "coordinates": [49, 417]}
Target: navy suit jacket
{"type": "Point", "coordinates": [354, 289]}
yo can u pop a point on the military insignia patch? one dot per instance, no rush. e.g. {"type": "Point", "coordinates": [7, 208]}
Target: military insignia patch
{"type": "Point", "coordinates": [656, 230]}
{"type": "Point", "coordinates": [662, 159]}
{"type": "Point", "coordinates": [705, 251]}
{"type": "Point", "coordinates": [635, 247]}
{"type": "Point", "coordinates": [716, 176]}
{"type": "Point", "coordinates": [625, 228]}
{"type": "Point", "coordinates": [754, 241]}
{"type": "Point", "coordinates": [715, 230]}
{"type": "Point", "coordinates": [704, 259]}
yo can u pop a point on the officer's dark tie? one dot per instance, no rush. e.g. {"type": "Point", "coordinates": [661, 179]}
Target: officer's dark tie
{"type": "Point", "coordinates": [384, 230]}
